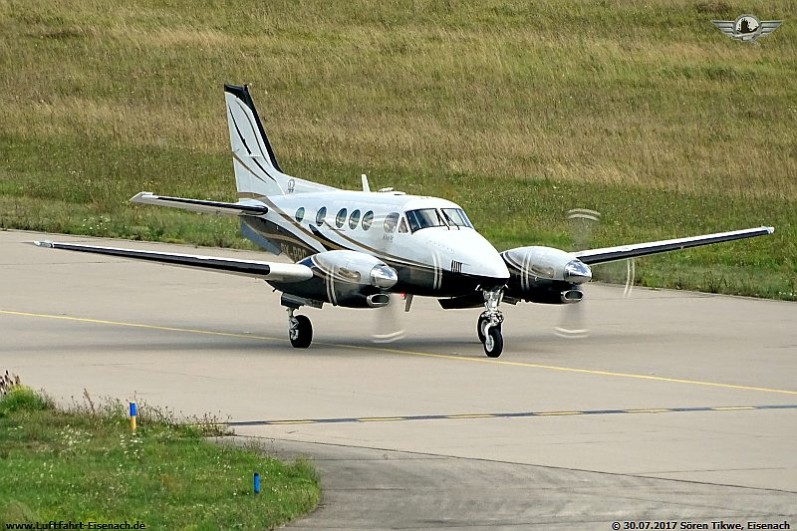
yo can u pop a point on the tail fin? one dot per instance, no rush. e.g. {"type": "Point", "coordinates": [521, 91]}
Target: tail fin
{"type": "Point", "coordinates": [257, 172]}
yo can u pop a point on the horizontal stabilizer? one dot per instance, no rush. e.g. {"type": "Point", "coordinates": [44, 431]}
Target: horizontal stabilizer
{"type": "Point", "coordinates": [275, 271]}
{"type": "Point", "coordinates": [250, 208]}
{"type": "Point", "coordinates": [622, 252]}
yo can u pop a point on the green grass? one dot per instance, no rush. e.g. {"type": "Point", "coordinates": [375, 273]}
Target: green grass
{"type": "Point", "coordinates": [86, 465]}
{"type": "Point", "coordinates": [516, 110]}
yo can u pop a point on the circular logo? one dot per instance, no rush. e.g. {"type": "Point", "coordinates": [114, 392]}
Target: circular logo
{"type": "Point", "coordinates": [746, 24]}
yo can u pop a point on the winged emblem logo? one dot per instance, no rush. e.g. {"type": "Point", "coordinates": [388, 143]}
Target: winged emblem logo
{"type": "Point", "coordinates": [747, 28]}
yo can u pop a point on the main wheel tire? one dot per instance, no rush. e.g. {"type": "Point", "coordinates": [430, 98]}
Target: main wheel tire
{"type": "Point", "coordinates": [493, 342]}
{"type": "Point", "coordinates": [300, 332]}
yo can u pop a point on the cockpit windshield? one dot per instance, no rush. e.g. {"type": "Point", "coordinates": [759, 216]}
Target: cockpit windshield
{"type": "Point", "coordinates": [424, 218]}
{"type": "Point", "coordinates": [431, 217]}
{"type": "Point", "coordinates": [456, 217]}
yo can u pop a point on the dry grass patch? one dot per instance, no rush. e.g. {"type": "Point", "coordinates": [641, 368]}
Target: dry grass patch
{"type": "Point", "coordinates": [614, 102]}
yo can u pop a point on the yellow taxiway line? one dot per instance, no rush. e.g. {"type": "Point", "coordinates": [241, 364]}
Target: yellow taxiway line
{"type": "Point", "coordinates": [488, 361]}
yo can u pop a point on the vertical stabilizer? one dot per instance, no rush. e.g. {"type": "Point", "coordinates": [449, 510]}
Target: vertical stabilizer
{"type": "Point", "coordinates": [257, 172]}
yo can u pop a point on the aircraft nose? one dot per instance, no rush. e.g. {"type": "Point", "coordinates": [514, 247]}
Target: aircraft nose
{"type": "Point", "coordinates": [489, 264]}
{"type": "Point", "coordinates": [477, 256]}
{"type": "Point", "coordinates": [471, 254]}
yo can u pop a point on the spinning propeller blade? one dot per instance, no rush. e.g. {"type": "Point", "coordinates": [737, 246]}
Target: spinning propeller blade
{"type": "Point", "coordinates": [388, 326]}
{"type": "Point", "coordinates": [583, 223]}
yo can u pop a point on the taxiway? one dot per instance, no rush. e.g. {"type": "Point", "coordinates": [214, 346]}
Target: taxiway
{"type": "Point", "coordinates": [677, 406]}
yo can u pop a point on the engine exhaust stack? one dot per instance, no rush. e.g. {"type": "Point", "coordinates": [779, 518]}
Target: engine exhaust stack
{"type": "Point", "coordinates": [378, 300]}
{"type": "Point", "coordinates": [572, 296]}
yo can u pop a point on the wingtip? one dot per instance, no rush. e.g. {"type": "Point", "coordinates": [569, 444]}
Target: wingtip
{"type": "Point", "coordinates": [140, 196]}
{"type": "Point", "coordinates": [770, 230]}
{"type": "Point", "coordinates": [43, 243]}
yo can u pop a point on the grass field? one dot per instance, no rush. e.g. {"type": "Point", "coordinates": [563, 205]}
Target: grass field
{"type": "Point", "coordinates": [85, 465]}
{"type": "Point", "coordinates": [519, 111]}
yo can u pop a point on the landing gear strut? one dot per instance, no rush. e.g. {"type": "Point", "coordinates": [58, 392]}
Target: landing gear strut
{"type": "Point", "coordinates": [300, 330]}
{"type": "Point", "coordinates": [489, 326]}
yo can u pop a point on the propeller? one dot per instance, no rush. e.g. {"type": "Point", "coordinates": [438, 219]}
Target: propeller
{"type": "Point", "coordinates": [583, 223]}
{"type": "Point", "coordinates": [388, 326]}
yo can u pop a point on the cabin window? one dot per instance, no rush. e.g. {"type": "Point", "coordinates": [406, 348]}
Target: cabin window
{"type": "Point", "coordinates": [424, 218]}
{"type": "Point", "coordinates": [341, 219]}
{"type": "Point", "coordinates": [456, 217]}
{"type": "Point", "coordinates": [368, 219]}
{"type": "Point", "coordinates": [354, 219]}
{"type": "Point", "coordinates": [322, 213]}
{"type": "Point", "coordinates": [300, 214]}
{"type": "Point", "coordinates": [391, 220]}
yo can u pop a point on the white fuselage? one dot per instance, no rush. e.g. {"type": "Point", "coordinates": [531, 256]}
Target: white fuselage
{"type": "Point", "coordinates": [445, 258]}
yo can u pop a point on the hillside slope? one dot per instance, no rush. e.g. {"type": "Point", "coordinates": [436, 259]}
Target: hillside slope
{"type": "Point", "coordinates": [518, 111]}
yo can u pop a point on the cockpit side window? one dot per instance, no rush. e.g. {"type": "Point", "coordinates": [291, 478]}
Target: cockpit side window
{"type": "Point", "coordinates": [424, 218]}
{"type": "Point", "coordinates": [456, 217]}
{"type": "Point", "coordinates": [391, 220]}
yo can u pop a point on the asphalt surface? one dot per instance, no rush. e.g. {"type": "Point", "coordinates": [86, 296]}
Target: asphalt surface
{"type": "Point", "coordinates": [678, 407]}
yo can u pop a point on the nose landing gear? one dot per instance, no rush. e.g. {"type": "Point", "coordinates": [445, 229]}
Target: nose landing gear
{"type": "Point", "coordinates": [300, 330]}
{"type": "Point", "coordinates": [488, 327]}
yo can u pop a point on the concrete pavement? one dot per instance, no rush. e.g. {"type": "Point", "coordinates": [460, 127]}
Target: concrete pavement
{"type": "Point", "coordinates": [202, 342]}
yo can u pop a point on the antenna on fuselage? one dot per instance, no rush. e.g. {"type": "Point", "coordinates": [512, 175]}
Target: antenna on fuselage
{"type": "Point", "coordinates": [389, 189]}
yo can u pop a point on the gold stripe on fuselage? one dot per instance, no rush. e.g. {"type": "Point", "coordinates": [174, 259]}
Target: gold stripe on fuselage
{"type": "Point", "coordinates": [386, 257]}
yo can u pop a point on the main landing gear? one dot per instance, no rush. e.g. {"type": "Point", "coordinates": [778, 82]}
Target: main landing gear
{"type": "Point", "coordinates": [300, 329]}
{"type": "Point", "coordinates": [488, 327]}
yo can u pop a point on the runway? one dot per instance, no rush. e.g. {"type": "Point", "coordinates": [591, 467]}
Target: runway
{"type": "Point", "coordinates": [678, 406]}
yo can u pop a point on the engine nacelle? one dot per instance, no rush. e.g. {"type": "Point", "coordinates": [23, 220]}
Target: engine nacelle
{"type": "Point", "coordinates": [545, 275]}
{"type": "Point", "coordinates": [345, 278]}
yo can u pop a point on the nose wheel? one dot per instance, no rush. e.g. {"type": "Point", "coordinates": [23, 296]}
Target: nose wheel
{"type": "Point", "coordinates": [483, 324]}
{"type": "Point", "coordinates": [300, 330]}
{"type": "Point", "coordinates": [488, 328]}
{"type": "Point", "coordinates": [493, 342]}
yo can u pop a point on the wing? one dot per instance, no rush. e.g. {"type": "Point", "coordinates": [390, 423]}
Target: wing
{"type": "Point", "coordinates": [275, 271]}
{"type": "Point", "coordinates": [768, 26]}
{"type": "Point", "coordinates": [622, 252]}
{"type": "Point", "coordinates": [725, 26]}
{"type": "Point", "coordinates": [251, 208]}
